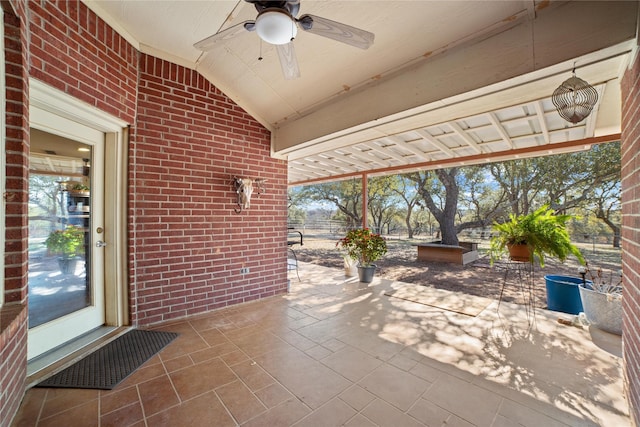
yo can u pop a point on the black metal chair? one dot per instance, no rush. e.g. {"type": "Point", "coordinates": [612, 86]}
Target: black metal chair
{"type": "Point", "coordinates": [294, 237]}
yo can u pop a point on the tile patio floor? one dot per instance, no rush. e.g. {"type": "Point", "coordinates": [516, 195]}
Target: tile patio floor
{"type": "Point", "coordinates": [339, 352]}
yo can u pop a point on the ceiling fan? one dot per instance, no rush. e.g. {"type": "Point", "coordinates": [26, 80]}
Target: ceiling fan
{"type": "Point", "coordinates": [277, 24]}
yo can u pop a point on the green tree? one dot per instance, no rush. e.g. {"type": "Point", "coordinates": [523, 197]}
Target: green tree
{"type": "Point", "coordinates": [517, 180]}
{"type": "Point", "coordinates": [411, 199]}
{"type": "Point", "coordinates": [45, 201]}
{"type": "Point", "coordinates": [480, 201]}
{"type": "Point", "coordinates": [296, 214]}
{"type": "Point", "coordinates": [439, 191]}
{"type": "Point", "coordinates": [459, 198]}
{"type": "Point", "coordinates": [382, 201]}
{"type": "Point", "coordinates": [570, 180]}
{"type": "Point", "coordinates": [582, 182]}
{"type": "Point", "coordinates": [607, 208]}
{"type": "Point", "coordinates": [442, 191]}
{"type": "Point", "coordinates": [605, 194]}
{"type": "Point", "coordinates": [346, 196]}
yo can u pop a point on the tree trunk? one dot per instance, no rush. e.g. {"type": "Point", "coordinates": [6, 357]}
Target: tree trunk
{"type": "Point", "coordinates": [616, 240]}
{"type": "Point", "coordinates": [407, 221]}
{"type": "Point", "coordinates": [447, 216]}
{"type": "Point", "coordinates": [600, 214]}
{"type": "Point", "coordinates": [449, 235]}
{"type": "Point", "coordinates": [616, 231]}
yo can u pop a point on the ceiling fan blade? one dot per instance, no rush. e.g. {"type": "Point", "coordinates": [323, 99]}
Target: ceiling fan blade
{"type": "Point", "coordinates": [208, 43]}
{"type": "Point", "coordinates": [288, 61]}
{"type": "Point", "coordinates": [337, 31]}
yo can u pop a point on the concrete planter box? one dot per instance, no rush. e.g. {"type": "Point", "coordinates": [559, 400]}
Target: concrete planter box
{"type": "Point", "coordinates": [604, 311]}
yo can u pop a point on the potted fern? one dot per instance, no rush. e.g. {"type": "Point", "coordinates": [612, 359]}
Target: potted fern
{"type": "Point", "coordinates": [540, 233]}
{"type": "Point", "coordinates": [366, 247]}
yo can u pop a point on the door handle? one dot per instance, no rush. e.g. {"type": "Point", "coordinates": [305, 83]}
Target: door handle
{"type": "Point", "coordinates": [101, 244]}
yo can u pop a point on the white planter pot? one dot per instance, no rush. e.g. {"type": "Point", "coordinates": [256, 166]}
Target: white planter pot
{"type": "Point", "coordinates": [603, 311]}
{"type": "Point", "coordinates": [350, 267]}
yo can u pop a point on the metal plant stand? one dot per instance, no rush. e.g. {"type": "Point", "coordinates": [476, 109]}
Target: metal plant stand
{"type": "Point", "coordinates": [521, 275]}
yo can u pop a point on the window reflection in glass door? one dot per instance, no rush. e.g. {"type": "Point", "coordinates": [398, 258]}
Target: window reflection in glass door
{"type": "Point", "coordinates": [59, 225]}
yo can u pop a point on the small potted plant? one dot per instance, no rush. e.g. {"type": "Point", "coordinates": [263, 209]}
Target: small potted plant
{"type": "Point", "coordinates": [540, 233]}
{"type": "Point", "coordinates": [68, 243]}
{"type": "Point", "coordinates": [366, 247]}
{"type": "Point", "coordinates": [79, 189]}
{"type": "Point", "coordinates": [602, 299]}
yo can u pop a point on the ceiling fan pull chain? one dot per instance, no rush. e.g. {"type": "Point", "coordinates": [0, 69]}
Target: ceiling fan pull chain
{"type": "Point", "coordinates": [260, 57]}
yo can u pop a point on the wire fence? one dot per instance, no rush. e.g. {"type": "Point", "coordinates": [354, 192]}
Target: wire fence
{"type": "Point", "coordinates": [335, 229]}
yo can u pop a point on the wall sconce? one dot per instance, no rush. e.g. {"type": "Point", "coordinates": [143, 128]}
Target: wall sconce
{"type": "Point", "coordinates": [574, 99]}
{"type": "Point", "coordinates": [244, 190]}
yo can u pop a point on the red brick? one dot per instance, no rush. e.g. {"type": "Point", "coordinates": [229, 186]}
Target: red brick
{"type": "Point", "coordinates": [186, 245]}
{"type": "Point", "coordinates": [631, 232]}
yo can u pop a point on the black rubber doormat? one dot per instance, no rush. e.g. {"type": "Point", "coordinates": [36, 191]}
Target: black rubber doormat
{"type": "Point", "coordinates": [107, 366]}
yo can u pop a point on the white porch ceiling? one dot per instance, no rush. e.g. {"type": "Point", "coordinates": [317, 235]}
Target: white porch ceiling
{"type": "Point", "coordinates": [445, 82]}
{"type": "Point", "coordinates": [56, 155]}
{"type": "Point", "coordinates": [528, 128]}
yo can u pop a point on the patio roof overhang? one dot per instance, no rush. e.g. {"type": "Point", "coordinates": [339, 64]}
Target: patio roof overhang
{"type": "Point", "coordinates": [506, 120]}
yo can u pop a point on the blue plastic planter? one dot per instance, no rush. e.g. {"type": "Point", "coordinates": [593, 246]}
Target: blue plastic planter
{"type": "Point", "coordinates": [563, 294]}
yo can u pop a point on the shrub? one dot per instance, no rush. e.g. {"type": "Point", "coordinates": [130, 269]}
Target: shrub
{"type": "Point", "coordinates": [68, 242]}
{"type": "Point", "coordinates": [363, 245]}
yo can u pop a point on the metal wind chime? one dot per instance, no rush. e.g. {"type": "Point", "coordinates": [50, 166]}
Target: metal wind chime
{"type": "Point", "coordinates": [574, 99]}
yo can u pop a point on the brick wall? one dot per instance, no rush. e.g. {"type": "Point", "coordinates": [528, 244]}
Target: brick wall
{"type": "Point", "coordinates": [186, 244]}
{"type": "Point", "coordinates": [13, 360]}
{"type": "Point", "coordinates": [13, 318]}
{"type": "Point", "coordinates": [631, 233]}
{"type": "Point", "coordinates": [17, 161]}
{"type": "Point", "coordinates": [189, 141]}
{"type": "Point", "coordinates": [75, 51]}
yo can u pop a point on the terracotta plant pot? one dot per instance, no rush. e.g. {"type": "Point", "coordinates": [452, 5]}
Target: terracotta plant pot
{"type": "Point", "coordinates": [520, 253]}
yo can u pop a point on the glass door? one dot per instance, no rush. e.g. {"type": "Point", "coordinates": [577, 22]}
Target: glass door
{"type": "Point", "coordinates": [66, 259]}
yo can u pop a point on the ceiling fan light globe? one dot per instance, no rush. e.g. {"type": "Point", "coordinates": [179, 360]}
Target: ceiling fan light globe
{"type": "Point", "coordinates": [276, 27]}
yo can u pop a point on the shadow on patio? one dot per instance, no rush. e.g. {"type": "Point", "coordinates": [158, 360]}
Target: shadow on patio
{"type": "Point", "coordinates": [340, 352]}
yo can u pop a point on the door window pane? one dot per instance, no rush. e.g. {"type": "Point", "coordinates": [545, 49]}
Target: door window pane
{"type": "Point", "coordinates": [59, 224]}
